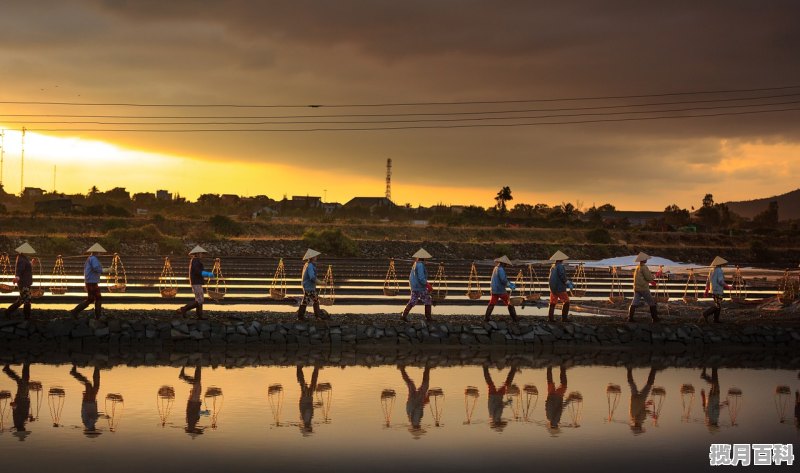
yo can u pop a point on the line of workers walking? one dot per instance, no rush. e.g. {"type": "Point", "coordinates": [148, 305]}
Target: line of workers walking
{"type": "Point", "coordinates": [421, 288]}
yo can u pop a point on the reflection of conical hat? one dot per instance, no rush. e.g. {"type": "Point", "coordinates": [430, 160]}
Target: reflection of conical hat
{"type": "Point", "coordinates": [197, 249]}
{"type": "Point", "coordinates": [641, 257]}
{"type": "Point", "coordinates": [96, 248]}
{"type": "Point", "coordinates": [310, 254]}
{"type": "Point", "coordinates": [25, 249]}
{"type": "Point", "coordinates": [422, 254]}
{"type": "Point", "coordinates": [718, 261]}
{"type": "Point", "coordinates": [559, 256]}
{"type": "Point", "coordinates": [503, 259]}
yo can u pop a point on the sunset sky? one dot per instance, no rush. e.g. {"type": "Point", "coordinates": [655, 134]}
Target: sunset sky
{"type": "Point", "coordinates": [464, 61]}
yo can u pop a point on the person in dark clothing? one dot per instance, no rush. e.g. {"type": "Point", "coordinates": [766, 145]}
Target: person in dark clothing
{"type": "Point", "coordinates": [23, 278]}
{"type": "Point", "coordinates": [420, 287]}
{"type": "Point", "coordinates": [496, 398]}
{"type": "Point", "coordinates": [196, 274]}
{"type": "Point", "coordinates": [417, 399]}
{"type": "Point", "coordinates": [92, 270]}
{"type": "Point", "coordinates": [559, 284]}
{"type": "Point", "coordinates": [89, 414]}
{"type": "Point", "coordinates": [638, 410]}
{"type": "Point", "coordinates": [499, 294]}
{"type": "Point", "coordinates": [194, 403]}
{"type": "Point", "coordinates": [712, 404]}
{"type": "Point", "coordinates": [309, 283]}
{"type": "Point", "coordinates": [21, 406]}
{"type": "Point", "coordinates": [554, 404]}
{"type": "Point", "coordinates": [306, 403]}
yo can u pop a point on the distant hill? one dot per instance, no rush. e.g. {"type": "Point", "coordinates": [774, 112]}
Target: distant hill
{"type": "Point", "coordinates": [788, 206]}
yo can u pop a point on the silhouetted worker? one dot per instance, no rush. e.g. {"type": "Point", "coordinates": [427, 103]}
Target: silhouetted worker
{"type": "Point", "coordinates": [554, 404]}
{"type": "Point", "coordinates": [559, 284]}
{"type": "Point", "coordinates": [306, 403]}
{"type": "Point", "coordinates": [92, 270]}
{"type": "Point", "coordinates": [309, 283]}
{"type": "Point", "coordinates": [23, 278]}
{"type": "Point", "coordinates": [417, 399]}
{"type": "Point", "coordinates": [499, 294]}
{"type": "Point", "coordinates": [21, 406]}
{"type": "Point", "coordinates": [716, 287]}
{"type": "Point", "coordinates": [638, 409]}
{"type": "Point", "coordinates": [89, 414]}
{"type": "Point", "coordinates": [194, 403]}
{"type": "Point", "coordinates": [196, 274]}
{"type": "Point", "coordinates": [642, 281]}
{"type": "Point", "coordinates": [496, 402]}
{"type": "Point", "coordinates": [420, 287]}
{"type": "Point", "coordinates": [711, 404]}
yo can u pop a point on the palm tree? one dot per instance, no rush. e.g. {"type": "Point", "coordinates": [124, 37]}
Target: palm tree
{"type": "Point", "coordinates": [502, 197]}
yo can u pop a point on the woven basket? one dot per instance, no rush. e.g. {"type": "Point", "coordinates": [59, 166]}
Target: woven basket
{"type": "Point", "coordinates": [533, 297]}
{"type": "Point", "coordinates": [169, 292]}
{"type": "Point", "coordinates": [37, 292]}
{"type": "Point", "coordinates": [277, 294]}
{"type": "Point", "coordinates": [58, 290]}
{"type": "Point", "coordinates": [578, 292]}
{"type": "Point", "coordinates": [6, 288]}
{"type": "Point", "coordinates": [117, 288]}
{"type": "Point", "coordinates": [616, 299]}
{"type": "Point", "coordinates": [785, 298]}
{"type": "Point", "coordinates": [390, 292]}
{"type": "Point", "coordinates": [438, 295]}
{"type": "Point", "coordinates": [689, 299]}
{"type": "Point", "coordinates": [662, 299]}
{"type": "Point", "coordinates": [215, 295]}
{"type": "Point", "coordinates": [325, 300]}
{"type": "Point", "coordinates": [738, 300]}
{"type": "Point", "coordinates": [474, 295]}
{"type": "Point", "coordinates": [516, 300]}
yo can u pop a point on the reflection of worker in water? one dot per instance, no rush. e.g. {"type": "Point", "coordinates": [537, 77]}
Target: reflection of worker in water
{"type": "Point", "coordinates": [194, 403]}
{"type": "Point", "coordinates": [21, 406]}
{"type": "Point", "coordinates": [89, 413]}
{"type": "Point", "coordinates": [554, 404]}
{"type": "Point", "coordinates": [417, 399]}
{"type": "Point", "coordinates": [711, 404]}
{"type": "Point", "coordinates": [307, 398]}
{"type": "Point", "coordinates": [638, 409]}
{"type": "Point", "coordinates": [496, 401]}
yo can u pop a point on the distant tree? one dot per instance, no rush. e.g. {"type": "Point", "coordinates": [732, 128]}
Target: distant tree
{"type": "Point", "coordinates": [503, 196]}
{"type": "Point", "coordinates": [523, 211]}
{"type": "Point", "coordinates": [93, 191]}
{"type": "Point", "coordinates": [708, 200]}
{"type": "Point", "coordinates": [769, 217]}
{"type": "Point", "coordinates": [676, 216]}
{"type": "Point", "coordinates": [607, 208]}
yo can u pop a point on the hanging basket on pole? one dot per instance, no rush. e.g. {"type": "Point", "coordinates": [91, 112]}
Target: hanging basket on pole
{"type": "Point", "coordinates": [739, 287]}
{"type": "Point", "coordinates": [579, 280]}
{"type": "Point", "coordinates": [58, 283]}
{"type": "Point", "coordinates": [277, 289]}
{"type": "Point", "coordinates": [6, 284]}
{"type": "Point", "coordinates": [439, 292]}
{"type": "Point", "coordinates": [217, 287]}
{"type": "Point", "coordinates": [390, 285]}
{"type": "Point", "coordinates": [662, 295]}
{"type": "Point", "coordinates": [519, 282]}
{"type": "Point", "coordinates": [533, 294]}
{"type": "Point", "coordinates": [616, 295]}
{"type": "Point", "coordinates": [37, 291]}
{"type": "Point", "coordinates": [690, 293]}
{"type": "Point", "coordinates": [327, 295]}
{"type": "Point", "coordinates": [118, 280]}
{"type": "Point", "coordinates": [788, 288]}
{"type": "Point", "coordinates": [167, 285]}
{"type": "Point", "coordinates": [474, 291]}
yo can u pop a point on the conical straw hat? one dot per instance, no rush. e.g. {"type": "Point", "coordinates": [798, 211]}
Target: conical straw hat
{"type": "Point", "coordinates": [718, 261]}
{"type": "Point", "coordinates": [25, 249]}
{"type": "Point", "coordinates": [641, 257]}
{"type": "Point", "coordinates": [559, 256]}
{"type": "Point", "coordinates": [503, 259]}
{"type": "Point", "coordinates": [422, 254]}
{"type": "Point", "coordinates": [197, 249]}
{"type": "Point", "coordinates": [310, 254]}
{"type": "Point", "coordinates": [96, 248]}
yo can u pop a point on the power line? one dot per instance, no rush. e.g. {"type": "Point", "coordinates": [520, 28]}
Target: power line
{"type": "Point", "coordinates": [401, 114]}
{"type": "Point", "coordinates": [426, 120]}
{"type": "Point", "coordinates": [414, 127]}
{"type": "Point", "coordinates": [394, 104]}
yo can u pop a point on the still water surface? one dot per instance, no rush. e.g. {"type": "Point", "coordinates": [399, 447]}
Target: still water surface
{"type": "Point", "coordinates": [387, 418]}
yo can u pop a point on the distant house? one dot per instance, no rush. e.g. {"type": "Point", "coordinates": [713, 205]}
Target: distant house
{"type": "Point", "coordinates": [32, 192]}
{"type": "Point", "coordinates": [163, 195]}
{"type": "Point", "coordinates": [306, 202]}
{"type": "Point", "coordinates": [53, 206]}
{"type": "Point", "coordinates": [330, 207]}
{"type": "Point", "coordinates": [370, 203]}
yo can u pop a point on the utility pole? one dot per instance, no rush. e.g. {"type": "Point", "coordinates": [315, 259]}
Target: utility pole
{"type": "Point", "coordinates": [22, 165]}
{"type": "Point", "coordinates": [389, 179]}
